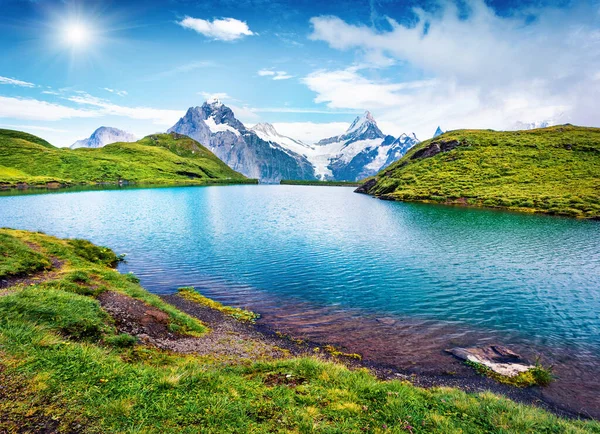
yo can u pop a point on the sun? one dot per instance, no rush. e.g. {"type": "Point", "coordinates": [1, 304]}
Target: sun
{"type": "Point", "coordinates": [77, 34]}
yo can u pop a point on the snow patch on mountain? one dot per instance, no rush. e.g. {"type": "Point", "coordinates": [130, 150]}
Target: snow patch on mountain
{"type": "Point", "coordinates": [268, 133]}
{"type": "Point", "coordinates": [219, 128]}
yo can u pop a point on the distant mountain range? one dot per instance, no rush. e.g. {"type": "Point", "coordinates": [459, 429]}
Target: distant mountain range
{"type": "Point", "coordinates": [262, 153]}
{"type": "Point", "coordinates": [104, 136]}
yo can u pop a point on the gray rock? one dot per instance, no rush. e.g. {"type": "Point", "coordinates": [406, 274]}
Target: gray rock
{"type": "Point", "coordinates": [496, 357]}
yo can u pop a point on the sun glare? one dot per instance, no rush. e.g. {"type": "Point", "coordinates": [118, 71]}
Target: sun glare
{"type": "Point", "coordinates": [77, 35]}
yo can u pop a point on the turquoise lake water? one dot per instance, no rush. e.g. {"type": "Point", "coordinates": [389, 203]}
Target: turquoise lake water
{"type": "Point", "coordinates": [463, 273]}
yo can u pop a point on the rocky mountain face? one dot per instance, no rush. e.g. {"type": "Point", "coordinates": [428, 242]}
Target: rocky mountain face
{"type": "Point", "coordinates": [104, 136]}
{"type": "Point", "coordinates": [262, 152]}
{"type": "Point", "coordinates": [248, 151]}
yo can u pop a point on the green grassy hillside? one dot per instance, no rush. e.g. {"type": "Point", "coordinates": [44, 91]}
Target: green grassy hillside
{"type": "Point", "coordinates": [552, 170]}
{"type": "Point", "coordinates": [65, 367]}
{"type": "Point", "coordinates": [156, 159]}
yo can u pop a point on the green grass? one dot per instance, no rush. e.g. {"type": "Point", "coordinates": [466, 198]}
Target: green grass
{"type": "Point", "coordinates": [234, 312]}
{"type": "Point", "coordinates": [324, 183]}
{"type": "Point", "coordinates": [536, 376]}
{"type": "Point", "coordinates": [553, 170]}
{"type": "Point", "coordinates": [156, 159]}
{"type": "Point", "coordinates": [63, 363]}
{"type": "Point", "coordinates": [17, 258]}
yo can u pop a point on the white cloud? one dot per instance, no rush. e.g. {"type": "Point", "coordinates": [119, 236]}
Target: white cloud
{"type": "Point", "coordinates": [115, 91]}
{"type": "Point", "coordinates": [33, 109]}
{"type": "Point", "coordinates": [15, 82]}
{"type": "Point", "coordinates": [487, 70]}
{"type": "Point", "coordinates": [157, 116]}
{"type": "Point", "coordinates": [348, 89]}
{"type": "Point", "coordinates": [266, 72]}
{"type": "Point", "coordinates": [275, 75]}
{"type": "Point", "coordinates": [282, 75]}
{"type": "Point", "coordinates": [226, 29]}
{"type": "Point", "coordinates": [216, 95]}
{"type": "Point", "coordinates": [420, 106]}
{"type": "Point", "coordinates": [310, 132]}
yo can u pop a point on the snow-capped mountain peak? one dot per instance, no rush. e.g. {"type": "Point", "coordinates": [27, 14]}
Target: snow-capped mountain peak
{"type": "Point", "coordinates": [266, 128]}
{"type": "Point", "coordinates": [363, 127]}
{"type": "Point", "coordinates": [361, 123]}
{"type": "Point", "coordinates": [438, 132]}
{"type": "Point", "coordinates": [268, 133]}
{"type": "Point", "coordinates": [256, 154]}
{"type": "Point", "coordinates": [216, 102]}
{"type": "Point", "coordinates": [104, 136]}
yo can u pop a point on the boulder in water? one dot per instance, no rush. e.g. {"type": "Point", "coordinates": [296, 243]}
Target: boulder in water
{"type": "Point", "coordinates": [496, 357]}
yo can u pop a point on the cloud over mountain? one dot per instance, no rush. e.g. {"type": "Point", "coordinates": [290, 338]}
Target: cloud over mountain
{"type": "Point", "coordinates": [483, 69]}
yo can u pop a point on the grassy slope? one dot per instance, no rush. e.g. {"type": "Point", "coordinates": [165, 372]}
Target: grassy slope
{"type": "Point", "coordinates": [156, 159]}
{"type": "Point", "coordinates": [61, 361]}
{"type": "Point", "coordinates": [553, 170]}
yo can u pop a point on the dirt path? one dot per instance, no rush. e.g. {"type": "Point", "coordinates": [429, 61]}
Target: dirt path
{"type": "Point", "coordinates": [8, 282]}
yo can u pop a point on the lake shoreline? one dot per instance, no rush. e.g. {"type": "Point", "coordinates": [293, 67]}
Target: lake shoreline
{"type": "Point", "coordinates": [471, 383]}
{"type": "Point", "coordinates": [464, 203]}
{"type": "Point", "coordinates": [442, 375]}
{"type": "Point", "coordinates": [99, 186]}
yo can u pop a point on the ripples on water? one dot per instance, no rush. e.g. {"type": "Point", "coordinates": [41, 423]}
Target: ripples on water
{"type": "Point", "coordinates": [330, 264]}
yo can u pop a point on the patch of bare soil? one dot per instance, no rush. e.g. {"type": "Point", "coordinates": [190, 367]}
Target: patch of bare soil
{"type": "Point", "coordinates": [226, 340]}
{"type": "Point", "coordinates": [6, 283]}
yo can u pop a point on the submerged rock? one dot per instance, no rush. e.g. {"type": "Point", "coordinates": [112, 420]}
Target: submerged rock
{"type": "Point", "coordinates": [496, 357]}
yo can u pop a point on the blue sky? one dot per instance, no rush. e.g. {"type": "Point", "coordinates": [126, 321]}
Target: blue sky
{"type": "Point", "coordinates": [68, 67]}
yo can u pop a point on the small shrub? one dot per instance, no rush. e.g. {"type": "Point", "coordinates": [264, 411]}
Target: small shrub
{"type": "Point", "coordinates": [78, 277]}
{"type": "Point", "coordinates": [543, 376]}
{"type": "Point", "coordinates": [121, 341]}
